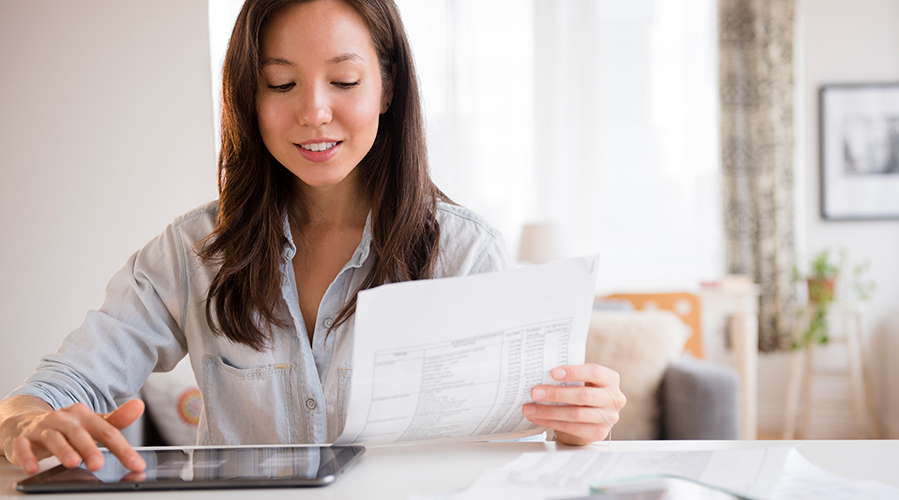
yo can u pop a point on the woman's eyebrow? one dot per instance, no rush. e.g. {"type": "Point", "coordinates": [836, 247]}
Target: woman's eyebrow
{"type": "Point", "coordinates": [349, 56]}
{"type": "Point", "coordinates": [276, 60]}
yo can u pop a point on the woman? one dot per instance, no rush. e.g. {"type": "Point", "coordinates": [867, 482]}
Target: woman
{"type": "Point", "coordinates": [324, 191]}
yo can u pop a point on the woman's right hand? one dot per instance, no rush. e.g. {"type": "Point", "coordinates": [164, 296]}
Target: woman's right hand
{"type": "Point", "coordinates": [30, 432]}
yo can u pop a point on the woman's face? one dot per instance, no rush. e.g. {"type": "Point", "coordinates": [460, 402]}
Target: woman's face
{"type": "Point", "coordinates": [321, 91]}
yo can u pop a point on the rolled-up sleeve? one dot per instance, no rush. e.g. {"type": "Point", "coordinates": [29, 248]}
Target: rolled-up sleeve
{"type": "Point", "coordinates": [136, 331]}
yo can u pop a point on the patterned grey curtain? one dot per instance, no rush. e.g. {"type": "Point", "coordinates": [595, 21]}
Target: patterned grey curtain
{"type": "Point", "coordinates": [756, 86]}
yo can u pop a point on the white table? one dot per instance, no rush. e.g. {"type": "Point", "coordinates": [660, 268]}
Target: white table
{"type": "Point", "coordinates": [741, 307]}
{"type": "Point", "coordinates": [396, 472]}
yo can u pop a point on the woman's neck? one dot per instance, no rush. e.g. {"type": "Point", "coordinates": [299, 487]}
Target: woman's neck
{"type": "Point", "coordinates": [340, 205]}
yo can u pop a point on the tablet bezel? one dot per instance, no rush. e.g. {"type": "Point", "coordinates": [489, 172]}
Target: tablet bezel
{"type": "Point", "coordinates": [342, 457]}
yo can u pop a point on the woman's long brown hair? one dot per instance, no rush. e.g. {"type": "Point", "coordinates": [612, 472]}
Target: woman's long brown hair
{"type": "Point", "coordinates": [256, 192]}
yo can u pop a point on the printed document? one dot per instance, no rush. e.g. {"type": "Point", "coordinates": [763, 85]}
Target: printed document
{"type": "Point", "coordinates": [749, 473]}
{"type": "Point", "coordinates": [802, 480]}
{"type": "Point", "coordinates": [456, 358]}
{"type": "Point", "coordinates": [777, 473]}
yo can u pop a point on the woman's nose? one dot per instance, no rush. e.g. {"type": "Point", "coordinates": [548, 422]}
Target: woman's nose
{"type": "Point", "coordinates": [314, 108]}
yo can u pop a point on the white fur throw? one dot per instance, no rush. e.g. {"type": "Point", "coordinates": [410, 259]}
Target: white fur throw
{"type": "Point", "coordinates": [639, 346]}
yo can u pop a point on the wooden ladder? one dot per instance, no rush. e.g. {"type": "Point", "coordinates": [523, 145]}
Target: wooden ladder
{"type": "Point", "coordinates": [803, 371]}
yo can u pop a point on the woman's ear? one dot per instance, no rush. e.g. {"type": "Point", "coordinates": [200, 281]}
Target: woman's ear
{"type": "Point", "coordinates": [387, 96]}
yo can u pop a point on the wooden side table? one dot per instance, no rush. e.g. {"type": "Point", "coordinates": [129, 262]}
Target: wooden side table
{"type": "Point", "coordinates": [741, 306]}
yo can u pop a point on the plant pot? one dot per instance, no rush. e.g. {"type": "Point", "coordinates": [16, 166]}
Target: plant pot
{"type": "Point", "coordinates": [820, 289]}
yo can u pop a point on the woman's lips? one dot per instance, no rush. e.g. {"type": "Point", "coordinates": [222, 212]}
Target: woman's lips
{"type": "Point", "coordinates": [319, 156]}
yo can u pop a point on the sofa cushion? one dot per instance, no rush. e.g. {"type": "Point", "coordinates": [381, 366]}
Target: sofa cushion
{"type": "Point", "coordinates": [701, 400]}
{"type": "Point", "coordinates": [639, 346]}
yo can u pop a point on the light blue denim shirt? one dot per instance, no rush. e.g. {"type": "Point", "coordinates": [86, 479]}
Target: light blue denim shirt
{"type": "Point", "coordinates": [154, 314]}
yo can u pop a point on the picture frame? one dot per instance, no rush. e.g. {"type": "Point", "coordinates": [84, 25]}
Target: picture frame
{"type": "Point", "coordinates": [859, 140]}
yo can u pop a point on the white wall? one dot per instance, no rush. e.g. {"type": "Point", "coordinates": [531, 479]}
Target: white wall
{"type": "Point", "coordinates": [105, 136]}
{"type": "Point", "coordinates": [843, 41]}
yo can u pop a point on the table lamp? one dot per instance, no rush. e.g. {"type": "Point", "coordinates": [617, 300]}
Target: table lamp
{"type": "Point", "coordinates": [540, 242]}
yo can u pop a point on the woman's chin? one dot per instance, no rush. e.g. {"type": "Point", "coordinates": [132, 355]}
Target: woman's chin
{"type": "Point", "coordinates": [324, 180]}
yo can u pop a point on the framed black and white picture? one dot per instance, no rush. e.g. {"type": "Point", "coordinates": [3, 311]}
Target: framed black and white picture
{"type": "Point", "coordinates": [860, 151]}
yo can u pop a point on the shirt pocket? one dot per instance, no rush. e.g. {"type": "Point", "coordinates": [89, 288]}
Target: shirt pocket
{"type": "Point", "coordinates": [343, 394]}
{"type": "Point", "coordinates": [248, 406]}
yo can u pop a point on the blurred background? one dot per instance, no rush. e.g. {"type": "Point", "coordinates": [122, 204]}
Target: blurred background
{"type": "Point", "coordinates": [599, 119]}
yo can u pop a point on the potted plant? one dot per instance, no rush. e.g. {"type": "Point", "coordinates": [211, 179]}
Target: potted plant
{"type": "Point", "coordinates": [821, 282]}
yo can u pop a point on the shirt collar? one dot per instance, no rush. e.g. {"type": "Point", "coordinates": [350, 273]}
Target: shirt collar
{"type": "Point", "coordinates": [291, 248]}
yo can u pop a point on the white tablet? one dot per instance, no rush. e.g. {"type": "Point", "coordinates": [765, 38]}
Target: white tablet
{"type": "Point", "coordinates": [204, 468]}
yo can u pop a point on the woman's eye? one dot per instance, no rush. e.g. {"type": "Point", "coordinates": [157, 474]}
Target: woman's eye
{"type": "Point", "coordinates": [281, 88]}
{"type": "Point", "coordinates": [345, 85]}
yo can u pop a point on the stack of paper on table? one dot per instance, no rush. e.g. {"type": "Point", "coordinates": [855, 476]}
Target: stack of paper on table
{"type": "Point", "coordinates": [779, 473]}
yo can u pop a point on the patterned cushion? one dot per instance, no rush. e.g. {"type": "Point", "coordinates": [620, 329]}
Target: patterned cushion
{"type": "Point", "coordinates": [174, 403]}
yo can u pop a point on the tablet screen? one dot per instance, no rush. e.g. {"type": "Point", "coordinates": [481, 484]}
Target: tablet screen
{"type": "Point", "coordinates": [187, 468]}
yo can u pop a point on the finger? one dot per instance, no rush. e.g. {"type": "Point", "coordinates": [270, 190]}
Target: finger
{"type": "Point", "coordinates": [578, 396]}
{"type": "Point", "coordinates": [110, 437]}
{"type": "Point", "coordinates": [597, 375]}
{"type": "Point", "coordinates": [137, 477]}
{"type": "Point", "coordinates": [583, 414]}
{"type": "Point", "coordinates": [85, 445]}
{"type": "Point", "coordinates": [126, 414]}
{"type": "Point", "coordinates": [56, 443]}
{"type": "Point", "coordinates": [576, 433]}
{"type": "Point", "coordinates": [23, 455]}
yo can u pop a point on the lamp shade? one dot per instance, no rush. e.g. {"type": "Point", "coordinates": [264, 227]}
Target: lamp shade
{"type": "Point", "coordinates": [540, 243]}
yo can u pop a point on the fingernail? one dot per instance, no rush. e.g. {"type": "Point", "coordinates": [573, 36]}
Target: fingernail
{"type": "Point", "coordinates": [559, 374]}
{"type": "Point", "coordinates": [529, 409]}
{"type": "Point", "coordinates": [538, 394]}
{"type": "Point", "coordinates": [71, 458]}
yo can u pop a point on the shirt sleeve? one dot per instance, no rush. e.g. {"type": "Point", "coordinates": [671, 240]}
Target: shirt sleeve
{"type": "Point", "coordinates": [494, 256]}
{"type": "Point", "coordinates": [135, 332]}
{"type": "Point", "coordinates": [468, 244]}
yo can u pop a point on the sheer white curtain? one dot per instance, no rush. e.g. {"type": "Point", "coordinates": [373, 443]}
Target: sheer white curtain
{"type": "Point", "coordinates": [475, 60]}
{"type": "Point", "coordinates": [598, 115]}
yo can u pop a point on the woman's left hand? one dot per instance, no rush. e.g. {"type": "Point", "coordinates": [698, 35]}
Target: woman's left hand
{"type": "Point", "coordinates": [579, 420]}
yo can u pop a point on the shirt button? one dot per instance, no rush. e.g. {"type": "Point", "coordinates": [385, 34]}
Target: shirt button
{"type": "Point", "coordinates": [310, 403]}
{"type": "Point", "coordinates": [328, 322]}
